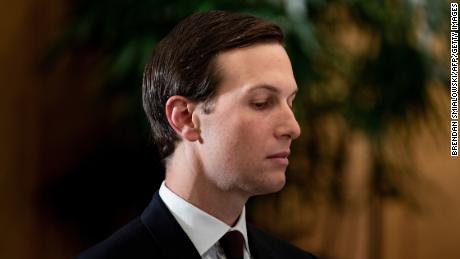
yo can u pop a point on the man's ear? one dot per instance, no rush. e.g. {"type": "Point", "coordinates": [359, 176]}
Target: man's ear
{"type": "Point", "coordinates": [182, 117]}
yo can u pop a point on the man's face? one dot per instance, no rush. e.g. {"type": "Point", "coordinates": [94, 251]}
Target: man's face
{"type": "Point", "coordinates": [247, 136]}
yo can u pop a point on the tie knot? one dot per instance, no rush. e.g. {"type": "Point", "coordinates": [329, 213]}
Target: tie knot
{"type": "Point", "coordinates": [232, 244]}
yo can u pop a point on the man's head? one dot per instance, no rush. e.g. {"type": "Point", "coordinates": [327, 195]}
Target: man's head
{"type": "Point", "coordinates": [220, 89]}
{"type": "Point", "coordinates": [183, 63]}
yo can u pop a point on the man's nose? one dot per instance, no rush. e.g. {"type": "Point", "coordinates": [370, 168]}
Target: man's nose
{"type": "Point", "coordinates": [288, 125]}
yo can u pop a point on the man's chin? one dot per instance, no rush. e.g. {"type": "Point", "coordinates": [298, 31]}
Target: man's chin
{"type": "Point", "coordinates": [279, 185]}
{"type": "Point", "coordinates": [272, 185]}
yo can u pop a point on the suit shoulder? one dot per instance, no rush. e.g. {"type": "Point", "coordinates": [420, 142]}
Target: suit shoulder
{"type": "Point", "coordinates": [279, 248]}
{"type": "Point", "coordinates": [131, 241]}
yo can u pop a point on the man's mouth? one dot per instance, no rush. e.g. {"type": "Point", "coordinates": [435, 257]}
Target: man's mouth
{"type": "Point", "coordinates": [280, 158]}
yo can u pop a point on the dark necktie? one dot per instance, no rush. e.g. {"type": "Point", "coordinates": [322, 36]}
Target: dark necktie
{"type": "Point", "coordinates": [232, 243]}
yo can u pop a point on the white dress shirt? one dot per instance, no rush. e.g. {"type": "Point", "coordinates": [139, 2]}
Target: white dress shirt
{"type": "Point", "coordinates": [202, 229]}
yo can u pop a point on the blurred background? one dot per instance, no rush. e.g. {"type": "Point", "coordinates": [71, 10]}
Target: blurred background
{"type": "Point", "coordinates": [371, 176]}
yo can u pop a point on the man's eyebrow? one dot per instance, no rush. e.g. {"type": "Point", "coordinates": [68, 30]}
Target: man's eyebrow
{"type": "Point", "coordinates": [270, 88]}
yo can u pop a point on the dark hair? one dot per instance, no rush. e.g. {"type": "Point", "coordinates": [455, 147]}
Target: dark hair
{"type": "Point", "coordinates": [183, 63]}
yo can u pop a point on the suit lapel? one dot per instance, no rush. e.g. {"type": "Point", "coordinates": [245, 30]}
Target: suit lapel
{"type": "Point", "coordinates": [167, 233]}
{"type": "Point", "coordinates": [259, 249]}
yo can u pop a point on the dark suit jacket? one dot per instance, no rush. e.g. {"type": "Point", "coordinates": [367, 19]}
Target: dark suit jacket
{"type": "Point", "coordinates": [156, 234]}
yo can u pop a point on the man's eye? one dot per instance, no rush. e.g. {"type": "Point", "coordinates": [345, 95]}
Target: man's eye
{"type": "Point", "coordinates": [260, 105]}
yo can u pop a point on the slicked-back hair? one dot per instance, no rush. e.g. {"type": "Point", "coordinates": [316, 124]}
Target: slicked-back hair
{"type": "Point", "coordinates": [183, 63]}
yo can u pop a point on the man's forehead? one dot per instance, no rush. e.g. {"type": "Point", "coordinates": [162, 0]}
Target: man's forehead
{"type": "Point", "coordinates": [265, 50]}
{"type": "Point", "coordinates": [266, 66]}
{"type": "Point", "coordinates": [268, 87]}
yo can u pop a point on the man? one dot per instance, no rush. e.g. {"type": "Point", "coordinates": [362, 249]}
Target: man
{"type": "Point", "coordinates": [218, 93]}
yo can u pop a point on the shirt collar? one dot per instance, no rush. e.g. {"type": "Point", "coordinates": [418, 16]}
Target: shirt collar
{"type": "Point", "coordinates": [204, 230]}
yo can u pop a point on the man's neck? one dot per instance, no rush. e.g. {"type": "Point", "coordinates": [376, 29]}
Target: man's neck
{"type": "Point", "coordinates": [185, 179]}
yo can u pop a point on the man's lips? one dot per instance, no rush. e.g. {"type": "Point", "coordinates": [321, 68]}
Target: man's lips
{"type": "Point", "coordinates": [280, 158]}
{"type": "Point", "coordinates": [283, 154]}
